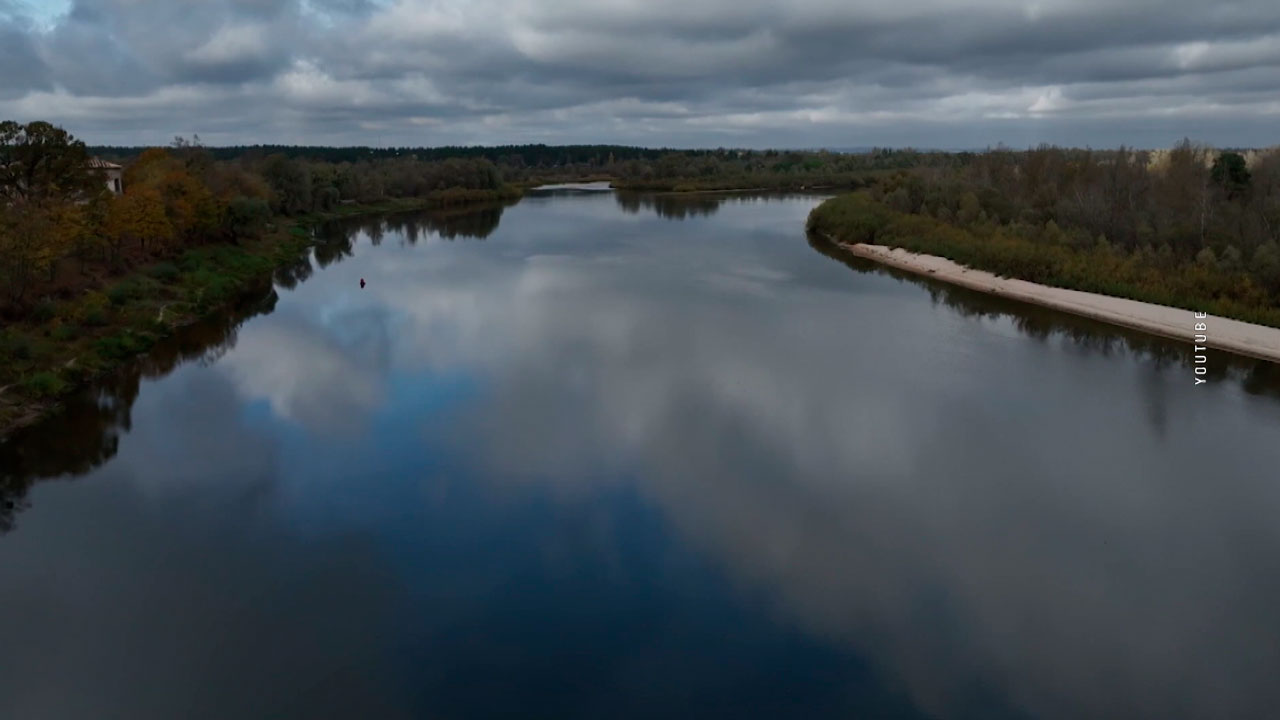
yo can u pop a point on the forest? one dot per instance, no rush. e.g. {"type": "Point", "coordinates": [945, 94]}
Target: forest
{"type": "Point", "coordinates": [1188, 227]}
{"type": "Point", "coordinates": [632, 168]}
{"type": "Point", "coordinates": [61, 230]}
{"type": "Point", "coordinates": [636, 168]}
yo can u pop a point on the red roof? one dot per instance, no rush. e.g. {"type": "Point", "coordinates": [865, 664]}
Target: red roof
{"type": "Point", "coordinates": [100, 163]}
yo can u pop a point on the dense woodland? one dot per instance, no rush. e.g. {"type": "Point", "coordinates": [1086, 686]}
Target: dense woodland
{"type": "Point", "coordinates": [768, 169]}
{"type": "Point", "coordinates": [1188, 227]}
{"type": "Point", "coordinates": [62, 230]}
{"type": "Point", "coordinates": [630, 166]}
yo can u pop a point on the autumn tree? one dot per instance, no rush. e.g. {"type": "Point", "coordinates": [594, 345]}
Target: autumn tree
{"type": "Point", "coordinates": [192, 210]}
{"type": "Point", "coordinates": [231, 180]}
{"type": "Point", "coordinates": [136, 216]}
{"type": "Point", "coordinates": [44, 175]}
{"type": "Point", "coordinates": [1185, 195]}
{"type": "Point", "coordinates": [1266, 195]}
{"type": "Point", "coordinates": [192, 154]}
{"type": "Point", "coordinates": [23, 236]}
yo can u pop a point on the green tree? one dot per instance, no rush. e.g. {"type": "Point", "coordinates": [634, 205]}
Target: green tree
{"type": "Point", "coordinates": [290, 180]}
{"type": "Point", "coordinates": [1230, 173]}
{"type": "Point", "coordinates": [969, 209]}
{"type": "Point", "coordinates": [1232, 259]}
{"type": "Point", "coordinates": [1266, 265]}
{"type": "Point", "coordinates": [899, 200]}
{"type": "Point", "coordinates": [1207, 258]}
{"type": "Point", "coordinates": [245, 218]}
{"type": "Point", "coordinates": [43, 163]}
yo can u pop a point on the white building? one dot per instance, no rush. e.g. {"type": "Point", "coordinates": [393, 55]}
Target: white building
{"type": "Point", "coordinates": [114, 173]}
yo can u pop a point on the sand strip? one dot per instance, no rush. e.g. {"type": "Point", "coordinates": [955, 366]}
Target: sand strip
{"type": "Point", "coordinates": [1223, 334]}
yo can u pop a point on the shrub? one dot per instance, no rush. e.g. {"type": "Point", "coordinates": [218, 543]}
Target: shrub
{"type": "Point", "coordinates": [94, 309]}
{"type": "Point", "coordinates": [19, 347]}
{"type": "Point", "coordinates": [121, 345]}
{"type": "Point", "coordinates": [246, 217]}
{"type": "Point", "coordinates": [44, 384]}
{"type": "Point", "coordinates": [44, 311]}
{"type": "Point", "coordinates": [165, 271]}
{"type": "Point", "coordinates": [121, 293]}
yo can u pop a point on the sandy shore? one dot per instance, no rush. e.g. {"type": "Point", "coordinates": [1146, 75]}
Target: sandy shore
{"type": "Point", "coordinates": [1230, 335]}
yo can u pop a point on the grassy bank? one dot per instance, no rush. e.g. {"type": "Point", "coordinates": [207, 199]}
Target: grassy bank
{"type": "Point", "coordinates": [60, 345]}
{"type": "Point", "coordinates": [1043, 258]}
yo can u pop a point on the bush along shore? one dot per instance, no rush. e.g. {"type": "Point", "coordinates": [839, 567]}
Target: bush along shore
{"type": "Point", "coordinates": [61, 345]}
{"type": "Point", "coordinates": [1048, 256]}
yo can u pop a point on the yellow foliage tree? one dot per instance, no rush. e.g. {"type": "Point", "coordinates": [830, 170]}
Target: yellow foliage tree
{"type": "Point", "coordinates": [138, 215]}
{"type": "Point", "coordinates": [191, 208]}
{"type": "Point", "coordinates": [24, 230]}
{"type": "Point", "coordinates": [34, 238]}
{"type": "Point", "coordinates": [65, 229]}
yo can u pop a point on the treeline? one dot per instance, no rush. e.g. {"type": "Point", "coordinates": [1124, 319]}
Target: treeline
{"type": "Point", "coordinates": [1188, 227]}
{"type": "Point", "coordinates": [635, 168]}
{"type": "Point", "coordinates": [1190, 201]}
{"type": "Point", "coordinates": [62, 229]}
{"type": "Point", "coordinates": [535, 155]}
{"type": "Point", "coordinates": [524, 164]}
{"type": "Point", "coordinates": [769, 169]}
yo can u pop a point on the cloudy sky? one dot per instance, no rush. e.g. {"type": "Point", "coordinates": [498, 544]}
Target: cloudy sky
{"type": "Point", "coordinates": [745, 73]}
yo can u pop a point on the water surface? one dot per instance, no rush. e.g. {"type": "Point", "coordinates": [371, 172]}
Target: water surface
{"type": "Point", "coordinates": [598, 455]}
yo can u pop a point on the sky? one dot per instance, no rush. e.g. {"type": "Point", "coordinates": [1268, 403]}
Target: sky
{"type": "Point", "coordinates": [661, 73]}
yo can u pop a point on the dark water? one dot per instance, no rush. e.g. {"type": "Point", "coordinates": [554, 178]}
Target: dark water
{"type": "Point", "coordinates": [635, 456]}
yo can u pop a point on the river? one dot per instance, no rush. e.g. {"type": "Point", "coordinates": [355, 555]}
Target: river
{"type": "Point", "coordinates": [610, 455]}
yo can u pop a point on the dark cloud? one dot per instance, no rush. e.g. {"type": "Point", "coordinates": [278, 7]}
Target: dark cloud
{"type": "Point", "coordinates": [20, 58]}
{"type": "Point", "coordinates": [810, 72]}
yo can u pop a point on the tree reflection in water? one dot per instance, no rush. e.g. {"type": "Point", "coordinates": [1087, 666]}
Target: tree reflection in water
{"type": "Point", "coordinates": [86, 433]}
{"type": "Point", "coordinates": [671, 207]}
{"type": "Point", "coordinates": [684, 206]}
{"type": "Point", "coordinates": [473, 222]}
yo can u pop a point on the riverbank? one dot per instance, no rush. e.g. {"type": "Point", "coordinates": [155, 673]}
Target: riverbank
{"type": "Point", "coordinates": [65, 344]}
{"type": "Point", "coordinates": [1048, 257]}
{"type": "Point", "coordinates": [1222, 334]}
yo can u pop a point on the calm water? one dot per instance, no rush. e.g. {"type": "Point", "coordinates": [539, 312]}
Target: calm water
{"type": "Point", "coordinates": [628, 456]}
